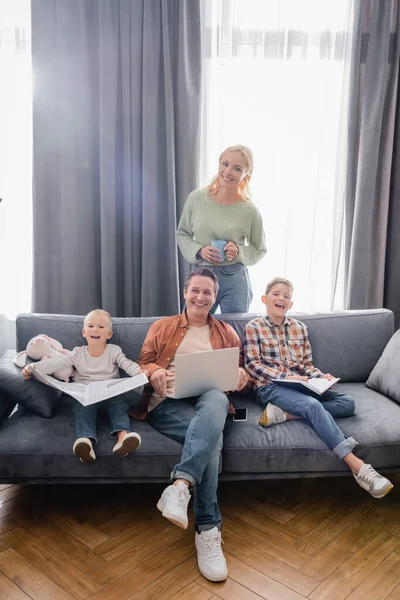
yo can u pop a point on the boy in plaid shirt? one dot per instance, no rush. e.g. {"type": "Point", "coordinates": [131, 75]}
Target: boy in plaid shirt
{"type": "Point", "coordinates": [277, 347]}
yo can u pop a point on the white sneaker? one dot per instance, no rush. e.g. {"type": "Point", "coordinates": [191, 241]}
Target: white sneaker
{"type": "Point", "coordinates": [173, 504]}
{"type": "Point", "coordinates": [128, 444]}
{"type": "Point", "coordinates": [84, 449]}
{"type": "Point", "coordinates": [377, 485]}
{"type": "Point", "coordinates": [272, 415]}
{"type": "Point", "coordinates": [210, 558]}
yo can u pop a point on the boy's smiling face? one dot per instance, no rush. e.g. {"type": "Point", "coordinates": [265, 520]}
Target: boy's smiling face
{"type": "Point", "coordinates": [97, 331]}
{"type": "Point", "coordinates": [278, 301]}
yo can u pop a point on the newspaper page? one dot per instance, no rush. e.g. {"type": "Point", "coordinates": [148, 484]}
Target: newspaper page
{"type": "Point", "coordinates": [95, 391]}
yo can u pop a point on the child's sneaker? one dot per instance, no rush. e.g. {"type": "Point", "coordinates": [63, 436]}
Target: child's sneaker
{"type": "Point", "coordinates": [128, 444]}
{"type": "Point", "coordinates": [173, 504]}
{"type": "Point", "coordinates": [272, 415]}
{"type": "Point", "coordinates": [377, 485]}
{"type": "Point", "coordinates": [84, 449]}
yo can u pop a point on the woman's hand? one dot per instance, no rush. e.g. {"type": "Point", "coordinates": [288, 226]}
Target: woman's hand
{"type": "Point", "coordinates": [231, 250]}
{"type": "Point", "coordinates": [159, 381]}
{"type": "Point", "coordinates": [27, 372]}
{"type": "Point", "coordinates": [210, 253]}
{"type": "Point", "coordinates": [296, 378]}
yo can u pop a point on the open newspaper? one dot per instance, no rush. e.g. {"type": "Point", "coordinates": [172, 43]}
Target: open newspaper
{"type": "Point", "coordinates": [95, 391]}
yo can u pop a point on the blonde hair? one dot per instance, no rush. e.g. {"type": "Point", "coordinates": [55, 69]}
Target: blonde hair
{"type": "Point", "coordinates": [244, 188]}
{"type": "Point", "coordinates": [99, 312]}
{"type": "Point", "coordinates": [276, 281]}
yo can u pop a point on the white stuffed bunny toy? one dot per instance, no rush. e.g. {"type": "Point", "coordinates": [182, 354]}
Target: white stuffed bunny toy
{"type": "Point", "coordinates": [41, 347]}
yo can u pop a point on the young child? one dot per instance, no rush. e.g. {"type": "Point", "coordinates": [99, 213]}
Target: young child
{"type": "Point", "coordinates": [277, 347]}
{"type": "Point", "coordinates": [96, 362]}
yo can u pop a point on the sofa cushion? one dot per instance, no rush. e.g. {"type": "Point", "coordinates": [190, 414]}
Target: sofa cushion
{"type": "Point", "coordinates": [7, 404]}
{"type": "Point", "coordinates": [385, 376]}
{"type": "Point", "coordinates": [294, 448]}
{"type": "Point", "coordinates": [31, 394]}
{"type": "Point", "coordinates": [346, 343]}
{"type": "Point", "coordinates": [41, 450]}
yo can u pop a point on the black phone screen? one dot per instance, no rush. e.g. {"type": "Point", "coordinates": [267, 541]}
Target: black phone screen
{"type": "Point", "coordinates": [240, 414]}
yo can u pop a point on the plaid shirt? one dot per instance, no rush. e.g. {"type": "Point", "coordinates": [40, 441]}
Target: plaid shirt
{"type": "Point", "coordinates": [276, 351]}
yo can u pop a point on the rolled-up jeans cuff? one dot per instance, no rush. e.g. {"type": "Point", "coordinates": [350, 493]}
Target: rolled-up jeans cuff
{"type": "Point", "coordinates": [114, 434]}
{"type": "Point", "coordinates": [182, 475]}
{"type": "Point", "coordinates": [208, 526]}
{"type": "Point", "coordinates": [345, 447]}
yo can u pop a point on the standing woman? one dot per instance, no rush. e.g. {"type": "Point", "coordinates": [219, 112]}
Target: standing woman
{"type": "Point", "coordinates": [223, 211]}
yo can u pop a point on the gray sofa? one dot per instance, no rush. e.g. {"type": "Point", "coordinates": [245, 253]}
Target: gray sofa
{"type": "Point", "coordinates": [347, 344]}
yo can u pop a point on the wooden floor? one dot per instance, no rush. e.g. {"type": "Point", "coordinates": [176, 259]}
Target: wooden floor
{"type": "Point", "coordinates": [284, 540]}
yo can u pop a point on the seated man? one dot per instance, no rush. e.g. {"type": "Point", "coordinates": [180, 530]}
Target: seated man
{"type": "Point", "coordinates": [195, 422]}
{"type": "Point", "coordinates": [277, 347]}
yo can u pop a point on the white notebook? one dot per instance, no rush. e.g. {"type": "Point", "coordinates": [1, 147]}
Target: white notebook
{"type": "Point", "coordinates": [314, 386]}
{"type": "Point", "coordinates": [199, 372]}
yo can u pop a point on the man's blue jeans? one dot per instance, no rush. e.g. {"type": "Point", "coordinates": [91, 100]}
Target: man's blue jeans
{"type": "Point", "coordinates": [85, 417]}
{"type": "Point", "coordinates": [197, 423]}
{"type": "Point", "coordinates": [320, 414]}
{"type": "Point", "coordinates": [235, 293]}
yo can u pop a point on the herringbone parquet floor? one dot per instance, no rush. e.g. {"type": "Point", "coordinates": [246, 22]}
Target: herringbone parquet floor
{"type": "Point", "coordinates": [323, 539]}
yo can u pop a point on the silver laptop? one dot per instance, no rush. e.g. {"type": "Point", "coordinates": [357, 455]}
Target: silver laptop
{"type": "Point", "coordinates": [199, 372]}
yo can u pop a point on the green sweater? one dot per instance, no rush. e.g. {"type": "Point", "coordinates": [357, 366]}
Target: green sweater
{"type": "Point", "coordinates": [204, 220]}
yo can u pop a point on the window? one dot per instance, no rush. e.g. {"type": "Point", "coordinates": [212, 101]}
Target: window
{"type": "Point", "coordinates": [276, 81]}
{"type": "Point", "coordinates": [15, 165]}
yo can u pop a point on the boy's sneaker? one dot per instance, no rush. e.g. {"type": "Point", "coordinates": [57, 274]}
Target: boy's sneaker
{"type": "Point", "coordinates": [173, 504]}
{"type": "Point", "coordinates": [210, 558]}
{"type": "Point", "coordinates": [377, 485]}
{"type": "Point", "coordinates": [272, 415]}
{"type": "Point", "coordinates": [84, 449]}
{"type": "Point", "coordinates": [128, 444]}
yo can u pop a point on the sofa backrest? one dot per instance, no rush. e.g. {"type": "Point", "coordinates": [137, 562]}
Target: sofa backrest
{"type": "Point", "coordinates": [347, 344]}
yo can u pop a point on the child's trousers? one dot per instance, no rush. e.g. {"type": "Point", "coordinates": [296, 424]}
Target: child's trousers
{"type": "Point", "coordinates": [320, 414]}
{"type": "Point", "coordinates": [85, 417]}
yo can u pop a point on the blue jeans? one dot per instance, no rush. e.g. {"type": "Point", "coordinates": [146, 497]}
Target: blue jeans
{"type": "Point", "coordinates": [320, 414]}
{"type": "Point", "coordinates": [85, 417]}
{"type": "Point", "coordinates": [235, 293]}
{"type": "Point", "coordinates": [197, 423]}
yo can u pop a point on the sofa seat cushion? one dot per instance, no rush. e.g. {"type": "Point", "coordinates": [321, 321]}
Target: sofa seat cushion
{"type": "Point", "coordinates": [41, 449]}
{"type": "Point", "coordinates": [385, 376]}
{"type": "Point", "coordinates": [33, 395]}
{"type": "Point", "coordinates": [35, 448]}
{"type": "Point", "coordinates": [294, 448]}
{"type": "Point", "coordinates": [7, 405]}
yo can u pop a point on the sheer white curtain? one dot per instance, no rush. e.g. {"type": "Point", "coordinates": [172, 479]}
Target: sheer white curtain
{"type": "Point", "coordinates": [15, 166]}
{"type": "Point", "coordinates": [276, 80]}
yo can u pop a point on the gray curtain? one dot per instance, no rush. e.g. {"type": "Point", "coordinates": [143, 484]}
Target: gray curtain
{"type": "Point", "coordinates": [371, 192]}
{"type": "Point", "coordinates": [115, 151]}
{"type": "Point", "coordinates": [392, 271]}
